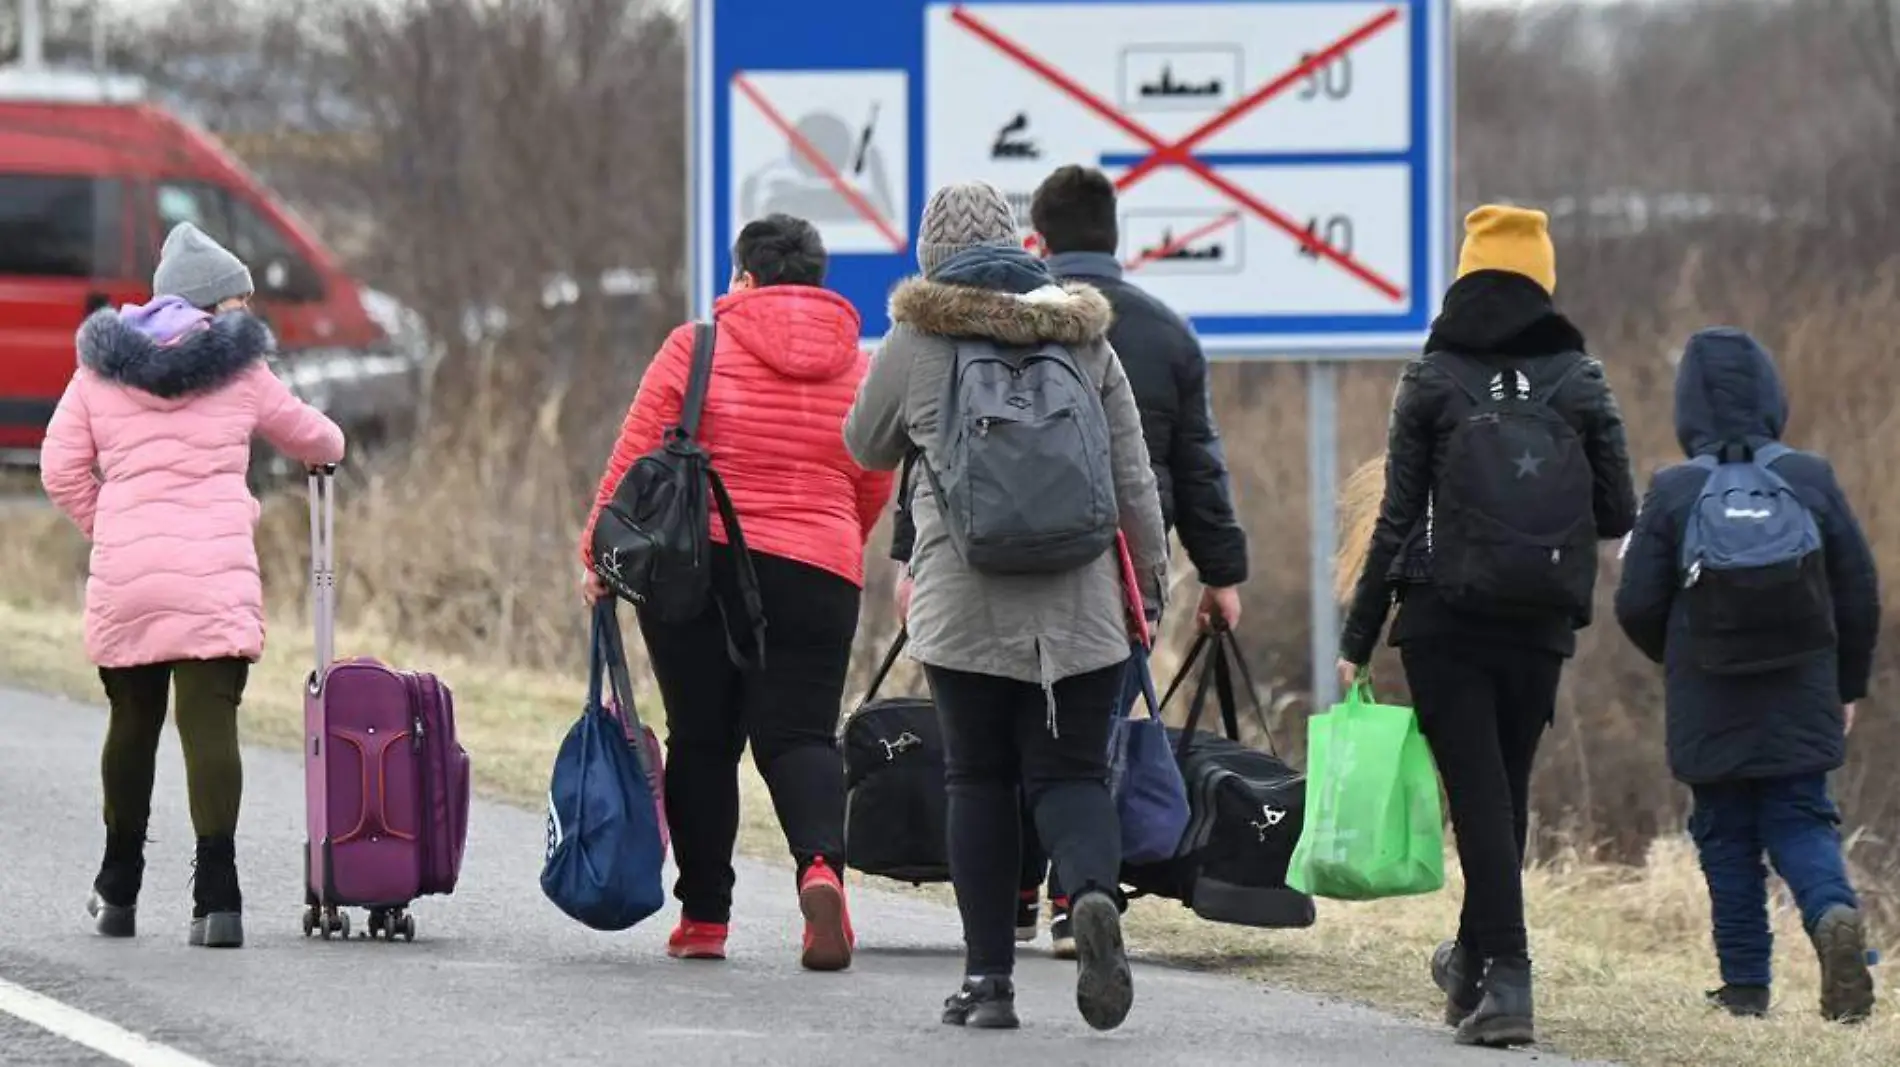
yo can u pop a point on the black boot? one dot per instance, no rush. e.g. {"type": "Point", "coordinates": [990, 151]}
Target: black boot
{"type": "Point", "coordinates": [115, 892]}
{"type": "Point", "coordinates": [983, 1004]}
{"type": "Point", "coordinates": [1847, 986]}
{"type": "Point", "coordinates": [1741, 1001]}
{"type": "Point", "coordinates": [1503, 1016]}
{"type": "Point", "coordinates": [1459, 978]}
{"type": "Point", "coordinates": [217, 919]}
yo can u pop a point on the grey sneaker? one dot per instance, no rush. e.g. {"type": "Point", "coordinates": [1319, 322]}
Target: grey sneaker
{"type": "Point", "coordinates": [1104, 985]}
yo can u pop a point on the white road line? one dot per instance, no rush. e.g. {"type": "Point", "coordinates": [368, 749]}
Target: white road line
{"type": "Point", "coordinates": [94, 1033]}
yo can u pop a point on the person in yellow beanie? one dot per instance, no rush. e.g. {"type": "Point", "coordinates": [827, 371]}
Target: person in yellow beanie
{"type": "Point", "coordinates": [1505, 464]}
{"type": "Point", "coordinates": [1511, 239]}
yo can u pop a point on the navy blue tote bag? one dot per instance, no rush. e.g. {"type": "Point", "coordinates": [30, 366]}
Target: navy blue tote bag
{"type": "Point", "coordinates": [605, 851]}
{"type": "Point", "coordinates": [1144, 778]}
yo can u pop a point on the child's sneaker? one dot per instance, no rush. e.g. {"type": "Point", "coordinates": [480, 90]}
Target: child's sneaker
{"type": "Point", "coordinates": [1847, 986]}
{"type": "Point", "coordinates": [829, 940]}
{"type": "Point", "coordinates": [697, 941]}
{"type": "Point", "coordinates": [1028, 911]}
{"type": "Point", "coordinates": [1061, 936]}
{"type": "Point", "coordinates": [1741, 1001]}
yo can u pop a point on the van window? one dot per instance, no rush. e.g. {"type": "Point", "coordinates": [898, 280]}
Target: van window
{"type": "Point", "coordinates": [237, 226]}
{"type": "Point", "coordinates": [197, 203]}
{"type": "Point", "coordinates": [59, 227]}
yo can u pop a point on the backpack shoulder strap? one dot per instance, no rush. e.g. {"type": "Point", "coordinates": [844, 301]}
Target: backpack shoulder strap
{"type": "Point", "coordinates": [752, 601]}
{"type": "Point", "coordinates": [1457, 368]}
{"type": "Point", "coordinates": [705, 334]}
{"type": "Point", "coordinates": [1576, 367]}
{"type": "Point", "coordinates": [1771, 452]}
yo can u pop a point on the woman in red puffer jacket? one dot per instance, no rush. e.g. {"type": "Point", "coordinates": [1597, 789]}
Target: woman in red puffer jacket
{"type": "Point", "coordinates": [786, 368]}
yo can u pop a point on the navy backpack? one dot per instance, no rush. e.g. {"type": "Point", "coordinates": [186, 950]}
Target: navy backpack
{"type": "Point", "coordinates": [1753, 574]}
{"type": "Point", "coordinates": [605, 842]}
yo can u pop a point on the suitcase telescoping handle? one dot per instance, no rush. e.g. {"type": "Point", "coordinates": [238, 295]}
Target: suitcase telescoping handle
{"type": "Point", "coordinates": [323, 567]}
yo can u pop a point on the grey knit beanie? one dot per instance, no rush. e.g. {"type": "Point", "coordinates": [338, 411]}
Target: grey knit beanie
{"type": "Point", "coordinates": [964, 215]}
{"type": "Point", "coordinates": [193, 266]}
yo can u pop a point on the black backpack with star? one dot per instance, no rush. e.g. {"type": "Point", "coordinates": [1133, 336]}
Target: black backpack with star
{"type": "Point", "coordinates": [1512, 530]}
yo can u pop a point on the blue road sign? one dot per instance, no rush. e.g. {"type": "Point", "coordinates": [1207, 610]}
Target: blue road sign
{"type": "Point", "coordinates": [1284, 166]}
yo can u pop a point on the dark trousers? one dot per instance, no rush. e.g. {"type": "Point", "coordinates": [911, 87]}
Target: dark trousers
{"type": "Point", "coordinates": [999, 751]}
{"type": "Point", "coordinates": [788, 711]}
{"type": "Point", "coordinates": [1484, 708]}
{"type": "Point", "coordinates": [209, 692]}
{"type": "Point", "coordinates": [1794, 823]}
{"type": "Point", "coordinates": [1035, 861]}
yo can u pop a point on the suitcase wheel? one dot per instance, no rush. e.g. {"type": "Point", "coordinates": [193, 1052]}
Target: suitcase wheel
{"type": "Point", "coordinates": [391, 923]}
{"type": "Point", "coordinates": [325, 923]}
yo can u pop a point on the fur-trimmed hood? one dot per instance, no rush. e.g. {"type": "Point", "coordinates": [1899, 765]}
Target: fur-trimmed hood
{"type": "Point", "coordinates": [199, 360]}
{"type": "Point", "coordinates": [1071, 314]}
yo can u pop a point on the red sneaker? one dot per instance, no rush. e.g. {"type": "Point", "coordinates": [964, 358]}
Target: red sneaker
{"type": "Point", "coordinates": [697, 941]}
{"type": "Point", "coordinates": [829, 939]}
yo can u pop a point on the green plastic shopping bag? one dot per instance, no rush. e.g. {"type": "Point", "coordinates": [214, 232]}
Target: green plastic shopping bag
{"type": "Point", "coordinates": [1373, 826]}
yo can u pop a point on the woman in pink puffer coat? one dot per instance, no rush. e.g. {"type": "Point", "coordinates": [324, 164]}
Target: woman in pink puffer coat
{"type": "Point", "coordinates": [148, 454]}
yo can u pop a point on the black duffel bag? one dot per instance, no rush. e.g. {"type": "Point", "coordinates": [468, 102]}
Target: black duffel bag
{"type": "Point", "coordinates": [1246, 808]}
{"type": "Point", "coordinates": [894, 809]}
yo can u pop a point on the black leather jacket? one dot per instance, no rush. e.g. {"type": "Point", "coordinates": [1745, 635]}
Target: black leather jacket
{"type": "Point", "coordinates": [1505, 320]}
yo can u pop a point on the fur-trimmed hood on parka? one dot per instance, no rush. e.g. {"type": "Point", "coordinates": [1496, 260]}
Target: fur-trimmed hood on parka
{"type": "Point", "coordinates": [1003, 295]}
{"type": "Point", "coordinates": [197, 361]}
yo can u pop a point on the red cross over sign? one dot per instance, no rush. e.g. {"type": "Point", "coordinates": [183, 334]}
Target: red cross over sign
{"type": "Point", "coordinates": [1178, 153]}
{"type": "Point", "coordinates": [1281, 166]}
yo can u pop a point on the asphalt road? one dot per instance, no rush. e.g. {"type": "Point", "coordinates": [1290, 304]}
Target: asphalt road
{"type": "Point", "coordinates": [498, 976]}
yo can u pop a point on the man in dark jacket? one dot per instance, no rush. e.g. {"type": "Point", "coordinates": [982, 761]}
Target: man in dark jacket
{"type": "Point", "coordinates": [1756, 748]}
{"type": "Point", "coordinates": [1073, 212]}
{"type": "Point", "coordinates": [1485, 687]}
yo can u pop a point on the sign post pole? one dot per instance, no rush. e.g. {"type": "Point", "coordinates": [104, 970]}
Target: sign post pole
{"type": "Point", "coordinates": [1322, 474]}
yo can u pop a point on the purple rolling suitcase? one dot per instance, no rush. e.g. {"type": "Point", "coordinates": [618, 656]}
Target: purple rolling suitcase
{"type": "Point", "coordinates": [386, 785]}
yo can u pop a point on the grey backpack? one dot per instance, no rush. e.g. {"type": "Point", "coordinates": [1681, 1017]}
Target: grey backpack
{"type": "Point", "coordinates": [1022, 473]}
{"type": "Point", "coordinates": [1753, 572]}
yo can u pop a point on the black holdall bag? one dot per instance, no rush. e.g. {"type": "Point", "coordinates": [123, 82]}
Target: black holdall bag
{"type": "Point", "coordinates": [652, 542]}
{"type": "Point", "coordinates": [1246, 809]}
{"type": "Point", "coordinates": [895, 800]}
{"type": "Point", "coordinates": [1512, 529]}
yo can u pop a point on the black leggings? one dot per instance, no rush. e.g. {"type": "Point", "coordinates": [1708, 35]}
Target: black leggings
{"type": "Point", "coordinates": [209, 692]}
{"type": "Point", "coordinates": [1484, 708]}
{"type": "Point", "coordinates": [1001, 754]}
{"type": "Point", "coordinates": [788, 711]}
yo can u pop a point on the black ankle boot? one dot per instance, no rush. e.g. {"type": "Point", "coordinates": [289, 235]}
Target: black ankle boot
{"type": "Point", "coordinates": [1741, 1001]}
{"type": "Point", "coordinates": [217, 919]}
{"type": "Point", "coordinates": [115, 892]}
{"type": "Point", "coordinates": [983, 1004]}
{"type": "Point", "coordinates": [1847, 986]}
{"type": "Point", "coordinates": [1459, 977]}
{"type": "Point", "coordinates": [1503, 1016]}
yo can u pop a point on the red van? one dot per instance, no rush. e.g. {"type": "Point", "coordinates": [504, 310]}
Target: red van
{"type": "Point", "coordinates": [88, 190]}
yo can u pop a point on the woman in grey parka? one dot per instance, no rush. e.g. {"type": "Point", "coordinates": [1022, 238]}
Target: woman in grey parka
{"type": "Point", "coordinates": [1027, 671]}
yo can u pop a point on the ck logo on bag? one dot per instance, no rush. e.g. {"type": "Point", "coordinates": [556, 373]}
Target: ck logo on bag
{"type": "Point", "coordinates": [1273, 820]}
{"type": "Point", "coordinates": [905, 741]}
{"type": "Point", "coordinates": [555, 835]}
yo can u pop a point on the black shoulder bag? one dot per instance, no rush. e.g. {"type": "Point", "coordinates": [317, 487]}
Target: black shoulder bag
{"type": "Point", "coordinates": [652, 543]}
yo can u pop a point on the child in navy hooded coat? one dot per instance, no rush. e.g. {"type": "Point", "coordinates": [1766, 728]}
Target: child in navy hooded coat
{"type": "Point", "coordinates": [1756, 748]}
